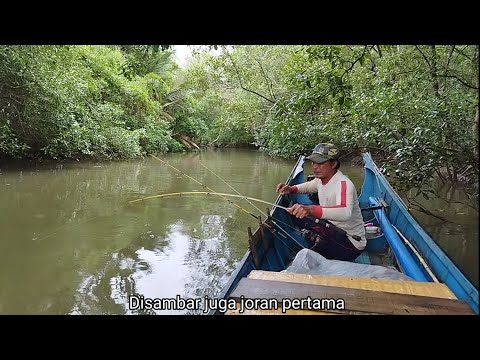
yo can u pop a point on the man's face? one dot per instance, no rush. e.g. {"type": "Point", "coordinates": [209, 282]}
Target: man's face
{"type": "Point", "coordinates": [324, 170]}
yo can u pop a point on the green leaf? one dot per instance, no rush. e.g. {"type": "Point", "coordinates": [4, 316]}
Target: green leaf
{"type": "Point", "coordinates": [362, 60]}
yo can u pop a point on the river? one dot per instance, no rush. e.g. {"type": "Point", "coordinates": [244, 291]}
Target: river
{"type": "Point", "coordinates": [71, 243]}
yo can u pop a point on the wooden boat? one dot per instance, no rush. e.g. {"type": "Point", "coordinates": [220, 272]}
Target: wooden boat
{"type": "Point", "coordinates": [432, 283]}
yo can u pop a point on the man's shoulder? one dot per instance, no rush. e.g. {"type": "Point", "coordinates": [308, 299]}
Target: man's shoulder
{"type": "Point", "coordinates": [342, 177]}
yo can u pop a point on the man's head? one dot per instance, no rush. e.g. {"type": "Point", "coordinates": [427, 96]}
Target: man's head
{"type": "Point", "coordinates": [323, 152]}
{"type": "Point", "coordinates": [324, 160]}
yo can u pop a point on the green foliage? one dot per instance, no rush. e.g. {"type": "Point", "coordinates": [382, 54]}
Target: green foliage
{"type": "Point", "coordinates": [154, 139]}
{"type": "Point", "coordinates": [144, 59]}
{"type": "Point", "coordinates": [413, 104]}
{"type": "Point", "coordinates": [233, 114]}
{"type": "Point", "coordinates": [9, 144]}
{"type": "Point", "coordinates": [106, 144]}
{"type": "Point", "coordinates": [76, 102]}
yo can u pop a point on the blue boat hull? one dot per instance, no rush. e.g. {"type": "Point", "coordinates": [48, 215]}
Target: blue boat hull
{"type": "Point", "coordinates": [274, 244]}
{"type": "Point", "coordinates": [375, 185]}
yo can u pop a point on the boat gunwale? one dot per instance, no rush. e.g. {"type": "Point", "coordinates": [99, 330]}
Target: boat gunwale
{"type": "Point", "coordinates": [450, 271]}
{"type": "Point", "coordinates": [443, 266]}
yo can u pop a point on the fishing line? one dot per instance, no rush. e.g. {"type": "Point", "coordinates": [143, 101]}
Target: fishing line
{"type": "Point", "coordinates": [223, 195]}
{"type": "Point", "coordinates": [258, 209]}
{"type": "Point", "coordinates": [204, 186]}
{"type": "Point", "coordinates": [78, 224]}
{"type": "Point", "coordinates": [231, 187]}
{"type": "Point", "coordinates": [63, 226]}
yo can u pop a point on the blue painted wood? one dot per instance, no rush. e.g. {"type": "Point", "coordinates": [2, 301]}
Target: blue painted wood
{"type": "Point", "coordinates": [446, 271]}
{"type": "Point", "coordinates": [407, 262]}
{"type": "Point", "coordinates": [284, 244]}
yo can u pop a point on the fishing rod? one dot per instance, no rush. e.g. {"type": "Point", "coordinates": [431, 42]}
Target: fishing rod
{"type": "Point", "coordinates": [181, 193]}
{"type": "Point", "coordinates": [258, 209]}
{"type": "Point", "coordinates": [239, 195]}
{"type": "Point", "coordinates": [204, 186]}
{"type": "Point", "coordinates": [222, 195]}
{"type": "Point", "coordinates": [324, 222]}
{"type": "Point", "coordinates": [231, 187]}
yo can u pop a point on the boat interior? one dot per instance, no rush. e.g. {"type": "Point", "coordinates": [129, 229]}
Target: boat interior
{"type": "Point", "coordinates": [264, 273]}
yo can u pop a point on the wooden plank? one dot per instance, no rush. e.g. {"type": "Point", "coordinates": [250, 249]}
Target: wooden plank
{"type": "Point", "coordinates": [238, 311]}
{"type": "Point", "coordinates": [393, 286]}
{"type": "Point", "coordinates": [309, 296]}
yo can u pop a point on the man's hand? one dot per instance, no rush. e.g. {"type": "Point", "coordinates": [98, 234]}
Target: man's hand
{"type": "Point", "coordinates": [284, 189]}
{"type": "Point", "coordinates": [300, 211]}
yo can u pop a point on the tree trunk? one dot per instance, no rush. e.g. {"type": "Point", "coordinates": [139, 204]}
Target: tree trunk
{"type": "Point", "coordinates": [188, 142]}
{"type": "Point", "coordinates": [433, 71]}
{"type": "Point", "coordinates": [475, 122]}
{"type": "Point", "coordinates": [475, 64]}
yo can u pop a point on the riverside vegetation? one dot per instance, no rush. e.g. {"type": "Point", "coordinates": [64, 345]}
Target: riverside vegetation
{"type": "Point", "coordinates": [415, 107]}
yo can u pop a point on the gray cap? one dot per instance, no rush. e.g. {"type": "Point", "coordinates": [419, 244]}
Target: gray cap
{"type": "Point", "coordinates": [323, 152]}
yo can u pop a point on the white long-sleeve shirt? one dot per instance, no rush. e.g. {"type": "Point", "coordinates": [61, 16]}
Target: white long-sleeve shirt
{"type": "Point", "coordinates": [338, 204]}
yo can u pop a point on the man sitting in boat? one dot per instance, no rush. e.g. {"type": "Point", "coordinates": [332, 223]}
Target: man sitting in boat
{"type": "Point", "coordinates": [338, 203]}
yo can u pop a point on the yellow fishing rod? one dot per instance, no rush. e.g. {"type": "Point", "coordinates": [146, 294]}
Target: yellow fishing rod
{"type": "Point", "coordinates": [204, 186]}
{"type": "Point", "coordinates": [243, 197]}
{"type": "Point", "coordinates": [324, 222]}
{"type": "Point", "coordinates": [223, 196]}
{"type": "Point", "coordinates": [256, 207]}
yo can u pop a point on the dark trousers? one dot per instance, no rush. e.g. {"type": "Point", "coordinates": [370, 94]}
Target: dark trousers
{"type": "Point", "coordinates": [327, 241]}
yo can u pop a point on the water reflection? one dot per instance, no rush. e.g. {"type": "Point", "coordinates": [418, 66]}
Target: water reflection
{"type": "Point", "coordinates": [192, 260]}
{"type": "Point", "coordinates": [72, 244]}
{"type": "Point", "coordinates": [456, 231]}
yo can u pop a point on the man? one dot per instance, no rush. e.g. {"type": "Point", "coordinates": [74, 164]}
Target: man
{"type": "Point", "coordinates": [338, 203]}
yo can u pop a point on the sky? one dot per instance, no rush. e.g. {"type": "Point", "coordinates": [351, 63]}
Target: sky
{"type": "Point", "coordinates": [184, 52]}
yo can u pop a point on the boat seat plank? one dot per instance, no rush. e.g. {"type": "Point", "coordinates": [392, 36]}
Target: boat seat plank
{"type": "Point", "coordinates": [357, 301]}
{"type": "Point", "coordinates": [395, 286]}
{"type": "Point", "coordinates": [238, 311]}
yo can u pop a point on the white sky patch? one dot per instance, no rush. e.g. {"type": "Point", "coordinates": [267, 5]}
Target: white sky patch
{"type": "Point", "coordinates": [184, 52]}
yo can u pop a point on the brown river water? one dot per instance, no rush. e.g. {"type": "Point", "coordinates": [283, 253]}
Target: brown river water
{"type": "Point", "coordinates": [71, 243]}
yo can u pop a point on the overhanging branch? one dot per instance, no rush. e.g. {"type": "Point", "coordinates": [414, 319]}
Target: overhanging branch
{"type": "Point", "coordinates": [240, 79]}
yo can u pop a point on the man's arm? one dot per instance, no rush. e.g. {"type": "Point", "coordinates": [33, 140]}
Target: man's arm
{"type": "Point", "coordinates": [341, 211]}
{"type": "Point", "coordinates": [307, 187]}
{"type": "Point", "coordinates": [344, 198]}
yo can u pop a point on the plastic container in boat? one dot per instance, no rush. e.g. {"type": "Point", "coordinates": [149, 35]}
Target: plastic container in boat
{"type": "Point", "coordinates": [372, 229]}
{"type": "Point", "coordinates": [376, 240]}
